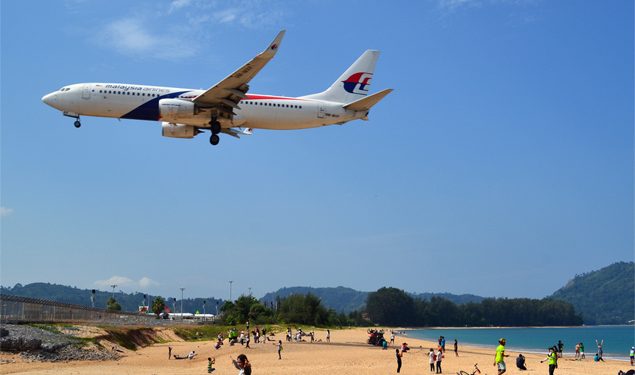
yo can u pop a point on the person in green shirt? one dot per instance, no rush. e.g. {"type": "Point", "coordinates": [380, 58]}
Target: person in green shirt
{"type": "Point", "coordinates": [500, 357]}
{"type": "Point", "coordinates": [552, 360]}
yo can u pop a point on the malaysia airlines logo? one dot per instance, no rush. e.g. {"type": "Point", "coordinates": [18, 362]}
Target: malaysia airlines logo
{"type": "Point", "coordinates": [358, 83]}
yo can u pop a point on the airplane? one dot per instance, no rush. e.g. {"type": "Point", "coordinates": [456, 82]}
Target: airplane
{"type": "Point", "coordinates": [226, 107]}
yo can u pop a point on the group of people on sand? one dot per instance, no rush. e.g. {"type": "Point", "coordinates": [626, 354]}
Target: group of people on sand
{"type": "Point", "coordinates": [435, 357]}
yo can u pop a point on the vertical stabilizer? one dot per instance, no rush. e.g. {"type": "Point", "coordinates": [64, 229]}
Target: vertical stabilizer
{"type": "Point", "coordinates": [354, 83]}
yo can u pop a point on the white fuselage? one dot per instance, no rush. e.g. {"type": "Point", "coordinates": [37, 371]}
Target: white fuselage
{"type": "Point", "coordinates": [141, 102]}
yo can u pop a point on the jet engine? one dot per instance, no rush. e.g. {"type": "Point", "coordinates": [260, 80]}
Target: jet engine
{"type": "Point", "coordinates": [173, 110]}
{"type": "Point", "coordinates": [178, 130]}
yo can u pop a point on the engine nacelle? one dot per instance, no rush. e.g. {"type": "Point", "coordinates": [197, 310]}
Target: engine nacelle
{"type": "Point", "coordinates": [172, 110]}
{"type": "Point", "coordinates": [178, 130]}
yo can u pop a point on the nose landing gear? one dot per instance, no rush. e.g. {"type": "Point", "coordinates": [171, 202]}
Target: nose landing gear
{"type": "Point", "coordinates": [77, 124]}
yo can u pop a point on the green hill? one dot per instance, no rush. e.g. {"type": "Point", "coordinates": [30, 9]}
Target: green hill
{"type": "Point", "coordinates": [605, 296]}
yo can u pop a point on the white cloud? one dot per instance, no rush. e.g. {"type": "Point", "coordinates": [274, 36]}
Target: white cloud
{"type": "Point", "coordinates": [5, 211]}
{"type": "Point", "coordinates": [130, 36]}
{"type": "Point", "coordinates": [126, 282]}
{"type": "Point", "coordinates": [226, 16]}
{"type": "Point", "coordinates": [120, 281]}
{"type": "Point", "coordinates": [147, 282]}
{"type": "Point", "coordinates": [178, 4]}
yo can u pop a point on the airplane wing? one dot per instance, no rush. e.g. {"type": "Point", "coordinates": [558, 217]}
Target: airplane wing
{"type": "Point", "coordinates": [225, 95]}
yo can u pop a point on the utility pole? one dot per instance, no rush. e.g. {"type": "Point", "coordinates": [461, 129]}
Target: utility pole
{"type": "Point", "coordinates": [249, 291]}
{"type": "Point", "coordinates": [182, 289]}
{"type": "Point", "coordinates": [113, 286]}
{"type": "Point", "coordinates": [230, 289]}
{"type": "Point", "coordinates": [204, 302]}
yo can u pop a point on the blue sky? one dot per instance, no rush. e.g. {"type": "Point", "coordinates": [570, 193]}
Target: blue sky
{"type": "Point", "coordinates": [501, 165]}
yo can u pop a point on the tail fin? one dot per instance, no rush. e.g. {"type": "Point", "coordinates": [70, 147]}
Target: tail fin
{"type": "Point", "coordinates": [354, 83]}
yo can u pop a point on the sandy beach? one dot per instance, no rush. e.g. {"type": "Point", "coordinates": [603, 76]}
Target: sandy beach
{"type": "Point", "coordinates": [347, 353]}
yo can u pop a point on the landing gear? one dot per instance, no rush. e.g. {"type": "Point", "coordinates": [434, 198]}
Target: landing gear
{"type": "Point", "coordinates": [77, 124]}
{"type": "Point", "coordinates": [216, 129]}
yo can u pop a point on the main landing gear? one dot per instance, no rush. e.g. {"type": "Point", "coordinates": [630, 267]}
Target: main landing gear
{"type": "Point", "coordinates": [216, 129]}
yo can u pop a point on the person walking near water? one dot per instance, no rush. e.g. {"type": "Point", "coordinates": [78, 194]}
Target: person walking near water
{"type": "Point", "coordinates": [169, 352]}
{"type": "Point", "coordinates": [399, 355]}
{"type": "Point", "coordinates": [499, 361]}
{"type": "Point", "coordinates": [632, 355]}
{"type": "Point", "coordinates": [456, 348]}
{"type": "Point", "coordinates": [582, 351]}
{"type": "Point", "coordinates": [552, 360]}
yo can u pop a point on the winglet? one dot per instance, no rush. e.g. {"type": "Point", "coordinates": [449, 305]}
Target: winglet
{"type": "Point", "coordinates": [273, 47]}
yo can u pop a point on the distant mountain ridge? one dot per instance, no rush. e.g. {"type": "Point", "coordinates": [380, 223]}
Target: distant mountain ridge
{"type": "Point", "coordinates": [605, 296]}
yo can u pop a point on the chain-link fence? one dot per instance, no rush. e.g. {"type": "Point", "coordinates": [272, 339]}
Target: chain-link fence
{"type": "Point", "coordinates": [15, 309]}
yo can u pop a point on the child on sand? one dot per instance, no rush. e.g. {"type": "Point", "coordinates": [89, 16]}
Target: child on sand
{"type": "Point", "coordinates": [399, 355]}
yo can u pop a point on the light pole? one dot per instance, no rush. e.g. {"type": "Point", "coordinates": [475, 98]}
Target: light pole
{"type": "Point", "coordinates": [204, 302]}
{"type": "Point", "coordinates": [113, 286]}
{"type": "Point", "coordinates": [182, 289]}
{"type": "Point", "coordinates": [230, 290]}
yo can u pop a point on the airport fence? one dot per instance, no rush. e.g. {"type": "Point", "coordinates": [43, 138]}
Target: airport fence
{"type": "Point", "coordinates": [16, 309]}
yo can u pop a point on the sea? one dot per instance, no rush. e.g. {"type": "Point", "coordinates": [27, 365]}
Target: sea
{"type": "Point", "coordinates": [618, 340]}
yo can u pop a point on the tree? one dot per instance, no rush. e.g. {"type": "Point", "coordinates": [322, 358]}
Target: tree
{"type": "Point", "coordinates": [391, 306]}
{"type": "Point", "coordinates": [113, 305]}
{"type": "Point", "coordinates": [158, 305]}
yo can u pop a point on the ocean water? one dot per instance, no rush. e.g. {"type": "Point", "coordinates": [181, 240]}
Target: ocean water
{"type": "Point", "coordinates": [617, 339]}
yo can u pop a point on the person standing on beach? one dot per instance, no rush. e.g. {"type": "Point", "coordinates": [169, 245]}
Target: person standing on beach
{"type": "Point", "coordinates": [582, 351]}
{"type": "Point", "coordinates": [456, 347]}
{"type": "Point", "coordinates": [499, 361]}
{"type": "Point", "coordinates": [577, 351]}
{"type": "Point", "coordinates": [560, 348]}
{"type": "Point", "coordinates": [399, 355]}
{"type": "Point", "coordinates": [433, 358]}
{"type": "Point", "coordinates": [328, 335]}
{"type": "Point", "coordinates": [632, 355]}
{"type": "Point", "coordinates": [439, 359]}
{"type": "Point", "coordinates": [600, 344]}
{"type": "Point", "coordinates": [552, 360]}
{"type": "Point", "coordinates": [279, 349]}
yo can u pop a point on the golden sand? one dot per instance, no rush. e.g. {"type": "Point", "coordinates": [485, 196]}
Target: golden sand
{"type": "Point", "coordinates": [347, 353]}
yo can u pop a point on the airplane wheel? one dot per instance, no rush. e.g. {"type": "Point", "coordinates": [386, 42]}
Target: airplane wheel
{"type": "Point", "coordinates": [214, 139]}
{"type": "Point", "coordinates": [216, 127]}
{"type": "Point", "coordinates": [77, 124]}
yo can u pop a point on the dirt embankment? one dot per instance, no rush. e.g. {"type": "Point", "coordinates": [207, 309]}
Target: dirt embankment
{"type": "Point", "coordinates": [75, 342]}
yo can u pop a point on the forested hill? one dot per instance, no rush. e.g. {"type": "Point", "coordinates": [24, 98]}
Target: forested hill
{"type": "Point", "coordinates": [128, 301]}
{"type": "Point", "coordinates": [340, 299]}
{"type": "Point", "coordinates": [345, 300]}
{"type": "Point", "coordinates": [605, 296]}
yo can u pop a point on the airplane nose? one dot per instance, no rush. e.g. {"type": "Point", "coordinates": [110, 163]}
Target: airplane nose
{"type": "Point", "coordinates": [49, 98]}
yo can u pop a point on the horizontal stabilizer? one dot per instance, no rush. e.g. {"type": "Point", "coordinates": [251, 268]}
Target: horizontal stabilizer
{"type": "Point", "coordinates": [366, 103]}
